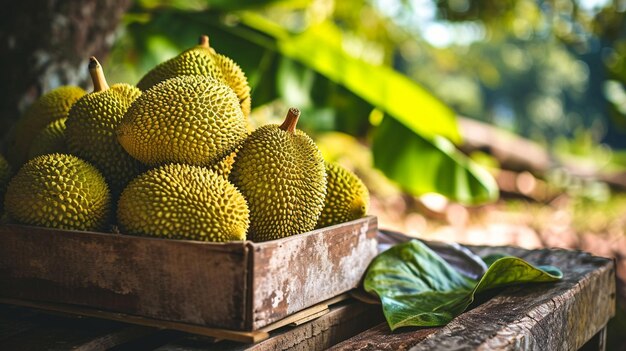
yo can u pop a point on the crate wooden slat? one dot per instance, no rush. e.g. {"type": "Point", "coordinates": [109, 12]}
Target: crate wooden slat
{"type": "Point", "coordinates": [289, 273]}
{"type": "Point", "coordinates": [163, 279]}
{"type": "Point", "coordinates": [241, 286]}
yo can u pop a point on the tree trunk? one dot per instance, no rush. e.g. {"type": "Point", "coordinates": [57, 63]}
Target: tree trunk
{"type": "Point", "coordinates": [45, 44]}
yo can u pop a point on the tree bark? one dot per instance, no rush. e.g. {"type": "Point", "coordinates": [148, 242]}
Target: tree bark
{"type": "Point", "coordinates": [45, 44]}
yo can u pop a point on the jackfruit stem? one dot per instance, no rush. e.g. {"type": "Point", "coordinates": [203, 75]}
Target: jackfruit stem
{"type": "Point", "coordinates": [204, 41]}
{"type": "Point", "coordinates": [289, 125]}
{"type": "Point", "coordinates": [97, 75]}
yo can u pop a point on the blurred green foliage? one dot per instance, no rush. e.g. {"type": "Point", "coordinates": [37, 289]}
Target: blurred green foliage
{"type": "Point", "coordinates": [539, 68]}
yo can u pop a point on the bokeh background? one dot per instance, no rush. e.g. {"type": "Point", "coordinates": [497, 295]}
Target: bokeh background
{"type": "Point", "coordinates": [499, 122]}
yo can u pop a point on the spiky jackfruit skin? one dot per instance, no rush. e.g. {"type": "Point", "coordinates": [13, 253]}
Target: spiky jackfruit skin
{"type": "Point", "coordinates": [282, 176]}
{"type": "Point", "coordinates": [224, 166]}
{"type": "Point", "coordinates": [347, 197]}
{"type": "Point", "coordinates": [49, 107]}
{"type": "Point", "coordinates": [58, 191]}
{"type": "Point", "coordinates": [5, 175]}
{"type": "Point", "coordinates": [183, 202]}
{"type": "Point", "coordinates": [90, 134]}
{"type": "Point", "coordinates": [190, 119]}
{"type": "Point", "coordinates": [202, 61]}
{"type": "Point", "coordinates": [49, 140]}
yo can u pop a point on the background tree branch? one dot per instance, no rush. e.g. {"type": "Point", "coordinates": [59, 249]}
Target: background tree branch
{"type": "Point", "coordinates": [45, 44]}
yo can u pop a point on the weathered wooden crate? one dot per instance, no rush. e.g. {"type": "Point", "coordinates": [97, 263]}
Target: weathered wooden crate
{"type": "Point", "coordinates": [238, 286]}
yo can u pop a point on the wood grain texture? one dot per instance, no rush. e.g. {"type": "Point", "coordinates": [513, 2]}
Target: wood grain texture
{"type": "Point", "coordinates": [380, 338]}
{"type": "Point", "coordinates": [343, 321]}
{"type": "Point", "coordinates": [163, 279]}
{"type": "Point", "coordinates": [296, 272]}
{"type": "Point", "coordinates": [64, 309]}
{"type": "Point", "coordinates": [54, 332]}
{"type": "Point", "coordinates": [175, 281]}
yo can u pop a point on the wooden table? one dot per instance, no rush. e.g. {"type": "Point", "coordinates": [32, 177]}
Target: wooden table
{"type": "Point", "coordinates": [567, 315]}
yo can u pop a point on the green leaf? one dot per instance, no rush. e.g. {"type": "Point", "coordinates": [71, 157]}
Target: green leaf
{"type": "Point", "coordinates": [322, 48]}
{"type": "Point", "coordinates": [418, 288]}
{"type": "Point", "coordinates": [422, 166]}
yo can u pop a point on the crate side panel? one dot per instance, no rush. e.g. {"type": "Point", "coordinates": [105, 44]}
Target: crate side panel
{"type": "Point", "coordinates": [163, 279]}
{"type": "Point", "coordinates": [300, 271]}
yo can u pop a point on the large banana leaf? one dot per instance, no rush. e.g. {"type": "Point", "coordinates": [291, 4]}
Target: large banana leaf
{"type": "Point", "coordinates": [321, 48]}
{"type": "Point", "coordinates": [423, 166]}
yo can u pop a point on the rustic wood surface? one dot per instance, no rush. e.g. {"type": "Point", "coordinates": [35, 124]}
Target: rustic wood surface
{"type": "Point", "coordinates": [553, 316]}
{"type": "Point", "coordinates": [155, 278]}
{"type": "Point", "coordinates": [292, 273]}
{"type": "Point", "coordinates": [241, 286]}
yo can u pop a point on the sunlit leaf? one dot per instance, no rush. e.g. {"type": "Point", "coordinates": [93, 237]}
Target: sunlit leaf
{"type": "Point", "coordinates": [418, 288]}
{"type": "Point", "coordinates": [422, 166]}
{"type": "Point", "coordinates": [320, 48]}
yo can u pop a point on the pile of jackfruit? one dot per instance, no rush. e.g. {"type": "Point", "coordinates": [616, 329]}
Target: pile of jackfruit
{"type": "Point", "coordinates": [172, 157]}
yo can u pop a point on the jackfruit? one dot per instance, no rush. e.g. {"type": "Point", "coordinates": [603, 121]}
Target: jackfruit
{"type": "Point", "coordinates": [280, 171]}
{"type": "Point", "coordinates": [49, 140]}
{"type": "Point", "coordinates": [347, 198]}
{"type": "Point", "coordinates": [189, 119]}
{"type": "Point", "coordinates": [48, 108]}
{"type": "Point", "coordinates": [5, 175]}
{"type": "Point", "coordinates": [58, 191]}
{"type": "Point", "coordinates": [183, 202]}
{"type": "Point", "coordinates": [202, 60]}
{"type": "Point", "coordinates": [91, 127]}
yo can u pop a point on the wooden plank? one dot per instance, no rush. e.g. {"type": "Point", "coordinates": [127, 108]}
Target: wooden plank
{"type": "Point", "coordinates": [383, 339]}
{"type": "Point", "coordinates": [309, 318]}
{"type": "Point", "coordinates": [115, 338]}
{"type": "Point", "coordinates": [241, 336]}
{"type": "Point", "coordinates": [299, 271]}
{"type": "Point", "coordinates": [341, 322]}
{"type": "Point", "coordinates": [172, 280]}
{"type": "Point", "coordinates": [15, 320]}
{"type": "Point", "coordinates": [306, 314]}
{"type": "Point", "coordinates": [54, 332]}
{"type": "Point", "coordinates": [552, 316]}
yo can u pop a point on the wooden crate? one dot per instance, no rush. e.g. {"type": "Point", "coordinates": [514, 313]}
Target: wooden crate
{"type": "Point", "coordinates": [241, 286]}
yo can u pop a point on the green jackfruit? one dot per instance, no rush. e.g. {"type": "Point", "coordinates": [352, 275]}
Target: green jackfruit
{"type": "Point", "coordinates": [202, 60]}
{"type": "Point", "coordinates": [58, 191]}
{"type": "Point", "coordinates": [50, 140]}
{"type": "Point", "coordinates": [5, 175]}
{"type": "Point", "coordinates": [48, 108]}
{"type": "Point", "coordinates": [189, 119]}
{"type": "Point", "coordinates": [91, 128]}
{"type": "Point", "coordinates": [183, 202]}
{"type": "Point", "coordinates": [280, 171]}
{"type": "Point", "coordinates": [347, 197]}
